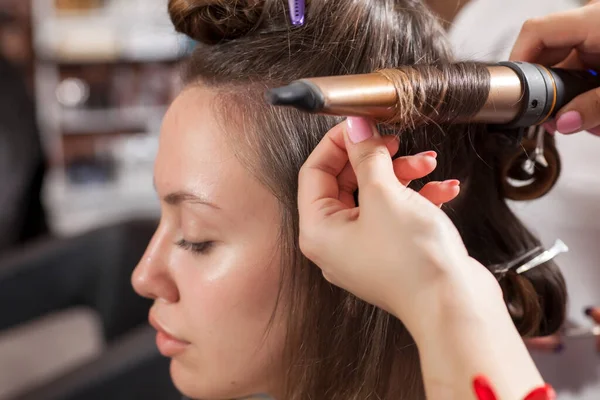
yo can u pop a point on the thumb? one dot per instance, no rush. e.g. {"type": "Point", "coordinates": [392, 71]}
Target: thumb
{"type": "Point", "coordinates": [368, 153]}
{"type": "Point", "coordinates": [581, 114]}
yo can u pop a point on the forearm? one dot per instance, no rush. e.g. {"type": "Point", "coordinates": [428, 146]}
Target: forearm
{"type": "Point", "coordinates": [472, 334]}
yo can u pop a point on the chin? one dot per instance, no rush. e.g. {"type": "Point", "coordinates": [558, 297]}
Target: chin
{"type": "Point", "coordinates": [191, 383]}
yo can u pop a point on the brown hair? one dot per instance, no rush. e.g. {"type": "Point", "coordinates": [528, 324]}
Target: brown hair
{"type": "Point", "coordinates": [339, 347]}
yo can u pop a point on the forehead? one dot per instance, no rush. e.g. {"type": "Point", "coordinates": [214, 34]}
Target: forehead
{"type": "Point", "coordinates": [195, 152]}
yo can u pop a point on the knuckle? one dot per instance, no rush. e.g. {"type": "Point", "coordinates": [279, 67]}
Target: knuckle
{"type": "Point", "coordinates": [370, 156]}
{"type": "Point", "coordinates": [304, 174]}
{"type": "Point", "coordinates": [376, 189]}
{"type": "Point", "coordinates": [302, 171]}
{"type": "Point", "coordinates": [531, 25]}
{"type": "Point", "coordinates": [308, 245]}
{"type": "Point", "coordinates": [328, 277]}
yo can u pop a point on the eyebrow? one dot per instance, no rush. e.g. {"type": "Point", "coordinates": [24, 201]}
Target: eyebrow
{"type": "Point", "coordinates": [177, 198]}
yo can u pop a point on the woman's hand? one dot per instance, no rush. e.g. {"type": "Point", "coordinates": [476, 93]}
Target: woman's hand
{"type": "Point", "coordinates": [397, 250]}
{"type": "Point", "coordinates": [571, 40]}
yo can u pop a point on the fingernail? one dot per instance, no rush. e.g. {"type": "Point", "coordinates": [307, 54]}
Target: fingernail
{"type": "Point", "coordinates": [545, 392]}
{"type": "Point", "coordinates": [569, 122]}
{"type": "Point", "coordinates": [588, 311]}
{"type": "Point", "coordinates": [359, 129]}
{"type": "Point", "coordinates": [550, 127]}
{"type": "Point", "coordinates": [452, 182]}
{"type": "Point", "coordinates": [427, 154]}
{"type": "Point", "coordinates": [559, 348]}
{"type": "Point", "coordinates": [483, 389]}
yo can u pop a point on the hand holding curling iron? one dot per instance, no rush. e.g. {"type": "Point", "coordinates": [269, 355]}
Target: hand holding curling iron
{"type": "Point", "coordinates": [568, 40]}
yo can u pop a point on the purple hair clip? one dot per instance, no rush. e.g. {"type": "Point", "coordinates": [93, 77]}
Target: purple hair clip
{"type": "Point", "coordinates": [297, 9]}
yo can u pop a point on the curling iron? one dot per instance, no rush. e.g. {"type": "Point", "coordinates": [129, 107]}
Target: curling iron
{"type": "Point", "coordinates": [520, 95]}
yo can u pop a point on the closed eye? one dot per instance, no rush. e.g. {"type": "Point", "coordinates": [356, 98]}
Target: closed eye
{"type": "Point", "coordinates": [196, 248]}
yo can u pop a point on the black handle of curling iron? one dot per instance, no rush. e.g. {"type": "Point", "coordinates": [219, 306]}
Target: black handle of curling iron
{"type": "Point", "coordinates": [572, 83]}
{"type": "Point", "coordinates": [547, 91]}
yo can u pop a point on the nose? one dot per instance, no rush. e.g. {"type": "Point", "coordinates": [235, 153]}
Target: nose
{"type": "Point", "coordinates": [152, 278]}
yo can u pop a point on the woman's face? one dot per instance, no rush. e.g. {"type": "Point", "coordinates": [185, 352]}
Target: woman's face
{"type": "Point", "coordinates": [212, 266]}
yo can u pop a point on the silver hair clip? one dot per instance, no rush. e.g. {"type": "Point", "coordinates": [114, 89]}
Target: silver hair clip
{"type": "Point", "coordinates": [545, 256]}
{"type": "Point", "coordinates": [558, 248]}
{"type": "Point", "coordinates": [297, 11]}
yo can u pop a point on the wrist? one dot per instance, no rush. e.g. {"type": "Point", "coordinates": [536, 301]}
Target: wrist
{"type": "Point", "coordinates": [466, 330]}
{"type": "Point", "coordinates": [464, 295]}
{"type": "Point", "coordinates": [459, 307]}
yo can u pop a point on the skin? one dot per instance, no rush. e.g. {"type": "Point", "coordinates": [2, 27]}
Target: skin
{"type": "Point", "coordinates": [402, 254]}
{"type": "Point", "coordinates": [221, 302]}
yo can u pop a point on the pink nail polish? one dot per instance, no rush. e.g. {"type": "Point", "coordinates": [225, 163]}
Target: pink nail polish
{"type": "Point", "coordinates": [427, 154]}
{"type": "Point", "coordinates": [359, 129]}
{"type": "Point", "coordinates": [569, 122]}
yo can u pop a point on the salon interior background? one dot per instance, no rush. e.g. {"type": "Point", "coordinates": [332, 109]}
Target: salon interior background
{"type": "Point", "coordinates": [101, 73]}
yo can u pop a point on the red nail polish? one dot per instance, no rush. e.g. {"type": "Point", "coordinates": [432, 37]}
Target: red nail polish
{"type": "Point", "coordinates": [483, 389]}
{"type": "Point", "coordinates": [545, 392]}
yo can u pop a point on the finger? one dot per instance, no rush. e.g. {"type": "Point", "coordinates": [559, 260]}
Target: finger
{"type": "Point", "coordinates": [414, 167]}
{"type": "Point", "coordinates": [581, 114]}
{"type": "Point", "coordinates": [392, 143]}
{"type": "Point", "coordinates": [595, 131]}
{"type": "Point", "coordinates": [593, 313]}
{"type": "Point", "coordinates": [367, 153]}
{"type": "Point", "coordinates": [550, 127]}
{"type": "Point", "coordinates": [573, 61]}
{"type": "Point", "coordinates": [318, 189]}
{"type": "Point", "coordinates": [551, 344]}
{"type": "Point", "coordinates": [347, 182]}
{"type": "Point", "coordinates": [441, 192]}
{"type": "Point", "coordinates": [549, 40]}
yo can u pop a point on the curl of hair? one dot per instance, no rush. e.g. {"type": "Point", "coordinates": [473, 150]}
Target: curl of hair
{"type": "Point", "coordinates": [536, 302]}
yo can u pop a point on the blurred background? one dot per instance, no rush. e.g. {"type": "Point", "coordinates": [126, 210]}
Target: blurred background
{"type": "Point", "coordinates": [102, 73]}
{"type": "Point", "coordinates": [84, 85]}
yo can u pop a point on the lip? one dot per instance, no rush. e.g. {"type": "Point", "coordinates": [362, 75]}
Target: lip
{"type": "Point", "coordinates": [168, 344]}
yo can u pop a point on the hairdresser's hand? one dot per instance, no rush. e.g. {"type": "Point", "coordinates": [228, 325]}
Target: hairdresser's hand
{"type": "Point", "coordinates": [571, 40]}
{"type": "Point", "coordinates": [397, 250]}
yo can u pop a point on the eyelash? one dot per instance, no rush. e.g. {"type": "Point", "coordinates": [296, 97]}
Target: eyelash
{"type": "Point", "coordinates": [196, 248]}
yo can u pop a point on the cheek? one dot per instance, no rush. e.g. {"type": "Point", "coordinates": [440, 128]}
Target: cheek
{"type": "Point", "coordinates": [236, 290]}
